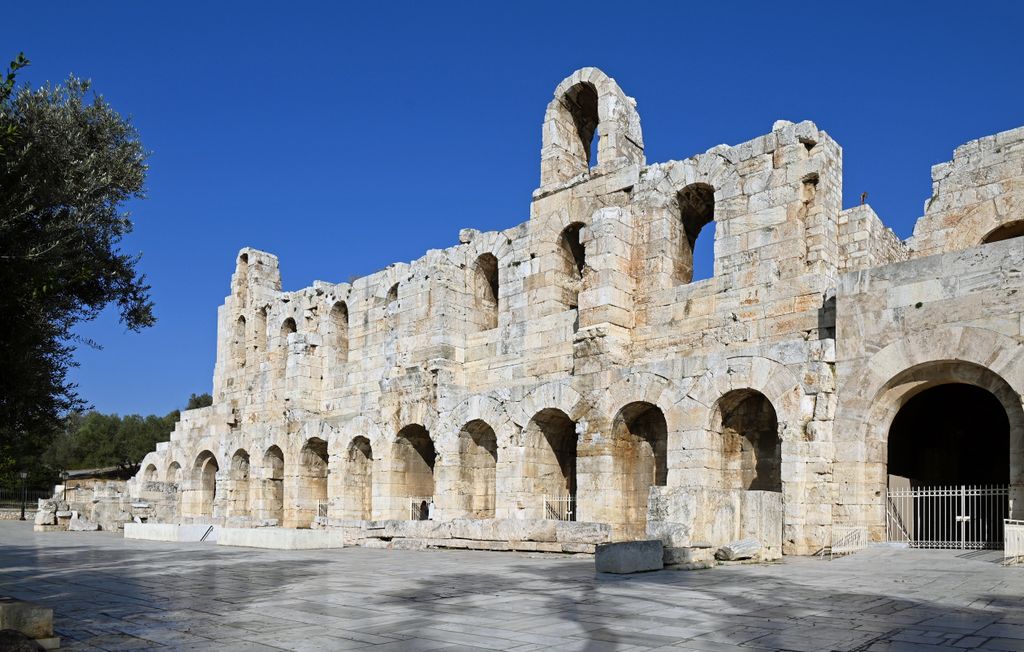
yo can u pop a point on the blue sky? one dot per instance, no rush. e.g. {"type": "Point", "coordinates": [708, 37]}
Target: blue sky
{"type": "Point", "coordinates": [344, 137]}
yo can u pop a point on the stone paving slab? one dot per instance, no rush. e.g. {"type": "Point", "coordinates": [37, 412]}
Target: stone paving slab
{"type": "Point", "coordinates": [109, 593]}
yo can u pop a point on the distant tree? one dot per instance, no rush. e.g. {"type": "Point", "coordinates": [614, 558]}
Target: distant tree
{"type": "Point", "coordinates": [94, 440]}
{"type": "Point", "coordinates": [68, 164]}
{"type": "Point", "coordinates": [199, 401]}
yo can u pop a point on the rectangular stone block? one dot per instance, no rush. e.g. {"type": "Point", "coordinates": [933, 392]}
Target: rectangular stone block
{"type": "Point", "coordinates": [629, 556]}
{"type": "Point", "coordinates": [33, 620]}
{"type": "Point", "coordinates": [280, 538]}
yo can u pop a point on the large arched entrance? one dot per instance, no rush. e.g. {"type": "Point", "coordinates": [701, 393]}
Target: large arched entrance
{"type": "Point", "coordinates": [948, 457]}
{"type": "Point", "coordinates": [311, 483]}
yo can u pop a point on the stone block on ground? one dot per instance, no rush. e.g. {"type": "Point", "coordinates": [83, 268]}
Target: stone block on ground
{"type": "Point", "coordinates": [737, 550]}
{"type": "Point", "coordinates": [33, 620]}
{"type": "Point", "coordinates": [629, 556]}
{"type": "Point", "coordinates": [79, 523]}
{"type": "Point", "coordinates": [689, 558]}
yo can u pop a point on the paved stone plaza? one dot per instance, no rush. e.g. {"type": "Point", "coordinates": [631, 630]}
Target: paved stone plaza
{"type": "Point", "coordinates": [113, 594]}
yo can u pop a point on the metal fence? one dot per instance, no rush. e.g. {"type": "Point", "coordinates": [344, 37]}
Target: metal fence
{"type": "Point", "coordinates": [1013, 544]}
{"type": "Point", "coordinates": [962, 517]}
{"type": "Point", "coordinates": [420, 508]}
{"type": "Point", "coordinates": [13, 497]}
{"type": "Point", "coordinates": [847, 539]}
{"type": "Point", "coordinates": [321, 508]}
{"type": "Point", "coordinates": [560, 508]}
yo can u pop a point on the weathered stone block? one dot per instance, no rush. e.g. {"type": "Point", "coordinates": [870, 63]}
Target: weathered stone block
{"type": "Point", "coordinates": [629, 556]}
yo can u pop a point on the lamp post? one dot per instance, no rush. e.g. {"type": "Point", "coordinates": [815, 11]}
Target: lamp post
{"type": "Point", "coordinates": [64, 477]}
{"type": "Point", "coordinates": [24, 493]}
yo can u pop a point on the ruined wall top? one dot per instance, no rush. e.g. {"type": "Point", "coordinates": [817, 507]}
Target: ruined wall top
{"type": "Point", "coordinates": [588, 103]}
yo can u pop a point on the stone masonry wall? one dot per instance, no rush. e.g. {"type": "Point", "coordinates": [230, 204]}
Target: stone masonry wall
{"type": "Point", "coordinates": [567, 367]}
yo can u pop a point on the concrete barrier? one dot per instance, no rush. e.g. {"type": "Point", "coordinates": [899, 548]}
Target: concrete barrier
{"type": "Point", "coordinates": [280, 538]}
{"type": "Point", "coordinates": [171, 532]}
{"type": "Point", "coordinates": [629, 556]}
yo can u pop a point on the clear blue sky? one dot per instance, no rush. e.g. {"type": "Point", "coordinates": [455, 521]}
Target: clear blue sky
{"type": "Point", "coordinates": [343, 137]}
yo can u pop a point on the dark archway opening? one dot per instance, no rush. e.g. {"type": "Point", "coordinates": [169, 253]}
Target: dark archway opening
{"type": "Point", "coordinates": [952, 434]}
{"type": "Point", "coordinates": [1005, 232]}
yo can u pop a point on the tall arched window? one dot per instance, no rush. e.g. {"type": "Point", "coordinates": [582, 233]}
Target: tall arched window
{"type": "Point", "coordinates": [238, 342]}
{"type": "Point", "coordinates": [581, 102]}
{"type": "Point", "coordinates": [1005, 232]}
{"type": "Point", "coordinates": [287, 328]}
{"type": "Point", "coordinates": [339, 332]}
{"type": "Point", "coordinates": [696, 209]}
{"type": "Point", "coordinates": [574, 265]}
{"type": "Point", "coordinates": [485, 291]}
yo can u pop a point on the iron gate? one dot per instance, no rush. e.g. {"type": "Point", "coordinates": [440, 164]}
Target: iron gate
{"type": "Point", "coordinates": [964, 517]}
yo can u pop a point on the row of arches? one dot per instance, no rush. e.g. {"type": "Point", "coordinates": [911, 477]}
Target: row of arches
{"type": "Point", "coordinates": [484, 478]}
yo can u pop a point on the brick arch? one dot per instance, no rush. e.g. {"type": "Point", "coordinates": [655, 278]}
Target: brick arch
{"type": "Point", "coordinates": [618, 127]}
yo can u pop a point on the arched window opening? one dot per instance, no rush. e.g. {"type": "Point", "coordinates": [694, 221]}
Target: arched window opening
{"type": "Point", "coordinates": [550, 461]}
{"type": "Point", "coordinates": [574, 265]}
{"type": "Point", "coordinates": [359, 480]}
{"type": "Point", "coordinates": [242, 278]}
{"type": "Point", "coordinates": [339, 332]}
{"type": "Point", "coordinates": [238, 489]}
{"type": "Point", "coordinates": [478, 459]}
{"type": "Point", "coordinates": [204, 484]}
{"type": "Point", "coordinates": [174, 473]}
{"type": "Point", "coordinates": [272, 485]}
{"type": "Point", "coordinates": [414, 456]}
{"type": "Point", "coordinates": [751, 450]}
{"type": "Point", "coordinates": [259, 328]}
{"type": "Point", "coordinates": [695, 257]}
{"type": "Point", "coordinates": [312, 480]}
{"type": "Point", "coordinates": [485, 291]}
{"type": "Point", "coordinates": [238, 345]}
{"type": "Point", "coordinates": [1005, 232]}
{"type": "Point", "coordinates": [392, 295]}
{"type": "Point", "coordinates": [581, 101]}
{"type": "Point", "coordinates": [149, 474]}
{"type": "Point", "coordinates": [287, 328]}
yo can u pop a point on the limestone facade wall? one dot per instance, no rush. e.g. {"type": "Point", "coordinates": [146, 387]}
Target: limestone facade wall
{"type": "Point", "coordinates": [570, 362]}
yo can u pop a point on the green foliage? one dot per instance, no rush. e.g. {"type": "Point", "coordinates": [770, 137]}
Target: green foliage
{"type": "Point", "coordinates": [199, 401]}
{"type": "Point", "coordinates": [93, 440]}
{"type": "Point", "coordinates": [68, 165]}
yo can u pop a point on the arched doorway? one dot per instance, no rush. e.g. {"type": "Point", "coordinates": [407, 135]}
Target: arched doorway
{"type": "Point", "coordinates": [948, 468]}
{"type": "Point", "coordinates": [550, 464]}
{"type": "Point", "coordinates": [359, 480]}
{"type": "Point", "coordinates": [478, 460]}
{"type": "Point", "coordinates": [312, 482]}
{"type": "Point", "coordinates": [272, 485]}
{"type": "Point", "coordinates": [204, 484]}
{"type": "Point", "coordinates": [641, 442]}
{"type": "Point", "coordinates": [414, 457]}
{"type": "Point", "coordinates": [238, 487]}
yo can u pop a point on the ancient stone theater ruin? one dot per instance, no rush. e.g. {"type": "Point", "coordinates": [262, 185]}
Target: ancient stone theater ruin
{"type": "Point", "coordinates": [566, 382]}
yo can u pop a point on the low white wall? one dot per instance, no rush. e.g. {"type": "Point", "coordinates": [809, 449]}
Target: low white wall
{"type": "Point", "coordinates": [169, 532]}
{"type": "Point", "coordinates": [280, 538]}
